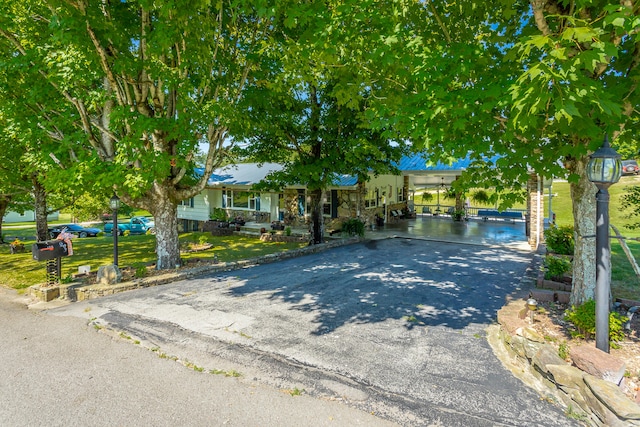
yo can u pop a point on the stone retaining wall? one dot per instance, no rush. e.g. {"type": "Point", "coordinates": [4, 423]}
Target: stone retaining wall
{"type": "Point", "coordinates": [274, 237]}
{"type": "Point", "coordinates": [596, 401]}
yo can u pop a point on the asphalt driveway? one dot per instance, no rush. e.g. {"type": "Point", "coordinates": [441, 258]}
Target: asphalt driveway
{"type": "Point", "coordinates": [395, 327]}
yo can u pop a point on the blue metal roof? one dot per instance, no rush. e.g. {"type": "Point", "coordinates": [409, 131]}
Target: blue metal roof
{"type": "Point", "coordinates": [418, 162]}
{"type": "Point", "coordinates": [345, 180]}
{"type": "Point", "coordinates": [240, 174]}
{"type": "Point", "coordinates": [248, 174]}
{"type": "Point", "coordinates": [251, 173]}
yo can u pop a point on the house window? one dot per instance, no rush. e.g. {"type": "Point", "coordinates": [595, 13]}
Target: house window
{"type": "Point", "coordinates": [188, 203]}
{"type": "Point", "coordinates": [241, 200]}
{"type": "Point", "coordinates": [301, 202]}
{"type": "Point", "coordinates": [326, 203]}
{"type": "Point", "coordinates": [401, 196]}
{"type": "Point", "coordinates": [371, 199]}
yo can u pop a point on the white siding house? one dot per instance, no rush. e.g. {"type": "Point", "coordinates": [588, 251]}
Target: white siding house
{"type": "Point", "coordinates": [28, 216]}
{"type": "Point", "coordinates": [230, 188]}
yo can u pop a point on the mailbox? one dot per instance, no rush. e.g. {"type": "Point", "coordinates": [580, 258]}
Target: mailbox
{"type": "Point", "coordinates": [51, 249]}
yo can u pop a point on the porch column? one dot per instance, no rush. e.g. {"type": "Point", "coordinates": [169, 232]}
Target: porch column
{"type": "Point", "coordinates": [459, 202]}
{"type": "Point", "coordinates": [405, 190]}
{"type": "Point", "coordinates": [535, 209]}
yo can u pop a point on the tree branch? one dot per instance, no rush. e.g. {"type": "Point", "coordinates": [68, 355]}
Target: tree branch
{"type": "Point", "coordinates": [440, 23]}
{"type": "Point", "coordinates": [538, 7]}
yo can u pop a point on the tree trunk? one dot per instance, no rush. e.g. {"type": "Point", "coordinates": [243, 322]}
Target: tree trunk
{"type": "Point", "coordinates": [4, 204]}
{"type": "Point", "coordinates": [584, 219]}
{"type": "Point", "coordinates": [317, 228]}
{"type": "Point", "coordinates": [40, 207]}
{"type": "Point", "coordinates": [165, 215]}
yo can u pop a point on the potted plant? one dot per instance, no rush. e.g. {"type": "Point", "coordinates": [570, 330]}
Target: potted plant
{"type": "Point", "coordinates": [16, 247]}
{"type": "Point", "coordinates": [458, 214]}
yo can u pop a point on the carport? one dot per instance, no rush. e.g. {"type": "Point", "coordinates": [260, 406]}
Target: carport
{"type": "Point", "coordinates": [444, 229]}
{"type": "Point", "coordinates": [419, 174]}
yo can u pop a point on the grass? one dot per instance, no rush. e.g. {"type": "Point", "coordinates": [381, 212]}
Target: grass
{"type": "Point", "coordinates": [618, 212]}
{"type": "Point", "coordinates": [19, 271]}
{"type": "Point", "coordinates": [624, 282]}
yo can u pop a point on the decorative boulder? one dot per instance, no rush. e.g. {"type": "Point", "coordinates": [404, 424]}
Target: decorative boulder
{"type": "Point", "coordinates": [109, 275]}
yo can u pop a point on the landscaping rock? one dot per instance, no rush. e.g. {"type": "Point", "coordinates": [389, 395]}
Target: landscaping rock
{"type": "Point", "coordinates": [566, 377]}
{"type": "Point", "coordinates": [543, 295]}
{"type": "Point", "coordinates": [545, 356]}
{"type": "Point", "coordinates": [109, 275]}
{"type": "Point", "coordinates": [563, 297]}
{"type": "Point", "coordinates": [598, 363]}
{"type": "Point", "coordinates": [597, 402]}
{"type": "Point", "coordinates": [618, 411]}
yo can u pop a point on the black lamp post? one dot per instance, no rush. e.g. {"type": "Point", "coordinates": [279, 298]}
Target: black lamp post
{"type": "Point", "coordinates": [604, 169]}
{"type": "Point", "coordinates": [114, 203]}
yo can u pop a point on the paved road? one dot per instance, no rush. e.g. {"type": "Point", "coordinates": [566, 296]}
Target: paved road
{"type": "Point", "coordinates": [392, 327]}
{"type": "Point", "coordinates": [58, 371]}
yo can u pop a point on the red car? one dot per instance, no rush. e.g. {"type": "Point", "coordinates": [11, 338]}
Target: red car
{"type": "Point", "coordinates": [630, 167]}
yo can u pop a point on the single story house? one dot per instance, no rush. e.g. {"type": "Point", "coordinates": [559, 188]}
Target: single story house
{"type": "Point", "coordinates": [231, 188]}
{"type": "Point", "coordinates": [27, 216]}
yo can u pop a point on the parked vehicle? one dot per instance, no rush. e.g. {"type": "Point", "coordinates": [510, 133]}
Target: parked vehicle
{"type": "Point", "coordinates": [136, 225]}
{"type": "Point", "coordinates": [76, 229]}
{"type": "Point", "coordinates": [630, 167]}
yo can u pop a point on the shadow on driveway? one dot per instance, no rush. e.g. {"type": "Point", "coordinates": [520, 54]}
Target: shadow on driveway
{"type": "Point", "coordinates": [395, 327]}
{"type": "Point", "coordinates": [420, 283]}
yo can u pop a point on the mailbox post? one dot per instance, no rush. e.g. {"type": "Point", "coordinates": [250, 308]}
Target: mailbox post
{"type": "Point", "coordinates": [52, 252]}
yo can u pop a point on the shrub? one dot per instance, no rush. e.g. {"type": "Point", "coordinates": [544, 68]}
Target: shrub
{"type": "Point", "coordinates": [584, 319]}
{"type": "Point", "coordinates": [125, 233]}
{"type": "Point", "coordinates": [555, 267]}
{"type": "Point", "coordinates": [203, 239]}
{"type": "Point", "coordinates": [218, 214]}
{"type": "Point", "coordinates": [141, 270]}
{"type": "Point", "coordinates": [560, 239]}
{"type": "Point", "coordinates": [353, 227]}
{"type": "Point", "coordinates": [458, 215]}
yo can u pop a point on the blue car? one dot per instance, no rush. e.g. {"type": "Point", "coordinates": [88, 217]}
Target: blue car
{"type": "Point", "coordinates": [76, 229]}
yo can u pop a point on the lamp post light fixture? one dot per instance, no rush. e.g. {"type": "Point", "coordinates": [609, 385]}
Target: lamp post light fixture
{"type": "Point", "coordinates": [604, 169]}
{"type": "Point", "coordinates": [114, 203]}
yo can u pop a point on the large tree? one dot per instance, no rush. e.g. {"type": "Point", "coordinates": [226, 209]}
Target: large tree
{"type": "Point", "coordinates": [310, 110]}
{"type": "Point", "coordinates": [317, 140]}
{"type": "Point", "coordinates": [532, 85]}
{"type": "Point", "coordinates": [148, 83]}
{"type": "Point", "coordinates": [579, 63]}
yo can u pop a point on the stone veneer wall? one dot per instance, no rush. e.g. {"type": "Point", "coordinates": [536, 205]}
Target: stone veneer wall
{"type": "Point", "coordinates": [596, 401]}
{"type": "Point", "coordinates": [534, 219]}
{"type": "Point", "coordinates": [347, 204]}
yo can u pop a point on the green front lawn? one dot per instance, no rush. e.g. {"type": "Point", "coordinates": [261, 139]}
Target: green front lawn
{"type": "Point", "coordinates": [624, 282]}
{"type": "Point", "coordinates": [20, 271]}
{"type": "Point", "coordinates": [618, 211]}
